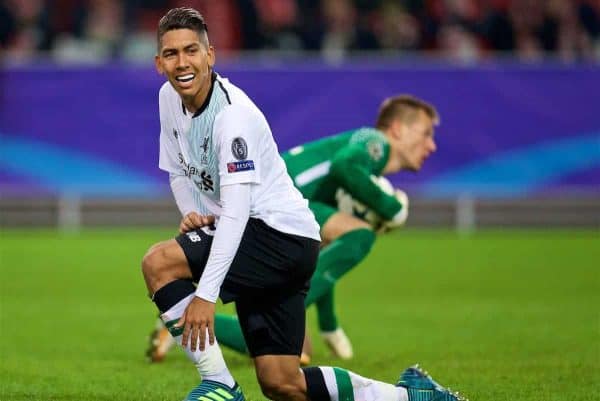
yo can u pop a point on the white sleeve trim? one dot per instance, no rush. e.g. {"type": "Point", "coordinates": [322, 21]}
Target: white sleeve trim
{"type": "Point", "coordinates": [235, 200]}
{"type": "Point", "coordinates": [182, 192]}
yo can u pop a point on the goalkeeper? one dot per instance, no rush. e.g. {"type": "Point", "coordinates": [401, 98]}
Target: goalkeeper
{"type": "Point", "coordinates": [344, 163]}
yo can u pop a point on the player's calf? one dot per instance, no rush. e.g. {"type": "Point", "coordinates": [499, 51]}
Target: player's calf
{"type": "Point", "coordinates": [279, 377]}
{"type": "Point", "coordinates": [172, 300]}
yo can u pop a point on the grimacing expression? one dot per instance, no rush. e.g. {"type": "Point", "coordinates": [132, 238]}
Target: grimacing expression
{"type": "Point", "coordinates": [417, 141]}
{"type": "Point", "coordinates": [186, 61]}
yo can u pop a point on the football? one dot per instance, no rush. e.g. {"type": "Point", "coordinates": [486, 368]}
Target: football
{"type": "Point", "coordinates": [347, 204]}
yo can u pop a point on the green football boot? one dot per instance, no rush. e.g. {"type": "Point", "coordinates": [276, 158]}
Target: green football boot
{"type": "Point", "coordinates": [210, 390]}
{"type": "Point", "coordinates": [421, 387]}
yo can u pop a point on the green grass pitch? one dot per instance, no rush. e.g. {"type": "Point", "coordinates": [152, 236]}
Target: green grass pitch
{"type": "Point", "coordinates": [502, 315]}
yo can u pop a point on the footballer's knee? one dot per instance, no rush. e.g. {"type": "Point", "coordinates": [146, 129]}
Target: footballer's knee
{"type": "Point", "coordinates": [358, 224]}
{"type": "Point", "coordinates": [151, 263]}
{"type": "Point", "coordinates": [159, 266]}
{"type": "Point", "coordinates": [340, 224]}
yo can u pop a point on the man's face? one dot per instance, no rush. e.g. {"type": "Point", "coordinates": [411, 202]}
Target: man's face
{"type": "Point", "coordinates": [416, 141]}
{"type": "Point", "coordinates": [186, 61]}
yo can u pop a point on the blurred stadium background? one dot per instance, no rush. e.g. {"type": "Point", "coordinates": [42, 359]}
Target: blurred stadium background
{"type": "Point", "coordinates": [517, 84]}
{"type": "Point", "coordinates": [508, 312]}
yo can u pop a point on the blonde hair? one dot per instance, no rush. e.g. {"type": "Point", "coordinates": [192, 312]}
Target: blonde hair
{"type": "Point", "coordinates": [404, 107]}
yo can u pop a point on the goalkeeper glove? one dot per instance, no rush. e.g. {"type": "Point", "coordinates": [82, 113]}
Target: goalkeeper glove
{"type": "Point", "coordinates": [400, 218]}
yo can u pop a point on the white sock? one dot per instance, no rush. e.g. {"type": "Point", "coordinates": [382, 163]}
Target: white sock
{"type": "Point", "coordinates": [210, 362]}
{"type": "Point", "coordinates": [363, 389]}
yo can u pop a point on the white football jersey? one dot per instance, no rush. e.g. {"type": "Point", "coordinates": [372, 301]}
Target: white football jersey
{"type": "Point", "coordinates": [228, 141]}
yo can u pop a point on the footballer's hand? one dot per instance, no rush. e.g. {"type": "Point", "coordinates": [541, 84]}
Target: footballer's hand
{"type": "Point", "coordinates": [197, 321]}
{"type": "Point", "coordinates": [193, 220]}
{"type": "Point", "coordinates": [400, 218]}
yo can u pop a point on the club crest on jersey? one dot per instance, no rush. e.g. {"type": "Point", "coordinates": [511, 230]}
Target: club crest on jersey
{"type": "Point", "coordinates": [204, 157]}
{"type": "Point", "coordinates": [242, 165]}
{"type": "Point", "coordinates": [205, 144]}
{"type": "Point", "coordinates": [375, 149]}
{"type": "Point", "coordinates": [239, 148]}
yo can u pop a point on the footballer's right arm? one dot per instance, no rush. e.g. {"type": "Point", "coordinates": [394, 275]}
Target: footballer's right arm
{"type": "Point", "coordinates": [182, 192]}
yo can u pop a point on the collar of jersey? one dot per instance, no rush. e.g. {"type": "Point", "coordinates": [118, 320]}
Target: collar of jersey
{"type": "Point", "coordinates": [213, 78]}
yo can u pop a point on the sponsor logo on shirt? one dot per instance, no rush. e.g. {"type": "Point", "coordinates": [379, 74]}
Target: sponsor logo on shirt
{"type": "Point", "coordinates": [242, 165]}
{"type": "Point", "coordinates": [206, 184]}
{"type": "Point", "coordinates": [239, 148]}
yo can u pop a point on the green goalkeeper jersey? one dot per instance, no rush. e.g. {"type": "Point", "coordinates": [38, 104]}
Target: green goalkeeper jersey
{"type": "Point", "coordinates": [346, 160]}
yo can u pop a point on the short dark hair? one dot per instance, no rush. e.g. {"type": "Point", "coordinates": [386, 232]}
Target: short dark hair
{"type": "Point", "coordinates": [404, 107]}
{"type": "Point", "coordinates": [182, 18]}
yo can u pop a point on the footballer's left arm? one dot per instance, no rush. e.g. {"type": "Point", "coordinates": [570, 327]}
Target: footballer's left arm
{"type": "Point", "coordinates": [350, 169]}
{"type": "Point", "coordinates": [237, 133]}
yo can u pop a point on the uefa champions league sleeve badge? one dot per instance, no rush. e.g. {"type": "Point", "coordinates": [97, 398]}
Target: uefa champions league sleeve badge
{"type": "Point", "coordinates": [239, 149]}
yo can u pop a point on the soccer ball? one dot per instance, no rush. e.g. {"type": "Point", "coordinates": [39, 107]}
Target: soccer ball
{"type": "Point", "coordinates": [347, 204]}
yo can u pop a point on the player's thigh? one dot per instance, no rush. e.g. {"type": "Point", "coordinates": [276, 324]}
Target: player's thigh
{"type": "Point", "coordinates": [273, 324]}
{"type": "Point", "coordinates": [340, 223]}
{"type": "Point", "coordinates": [165, 255]}
{"type": "Point", "coordinates": [186, 255]}
{"type": "Point", "coordinates": [269, 262]}
{"type": "Point", "coordinates": [195, 247]}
